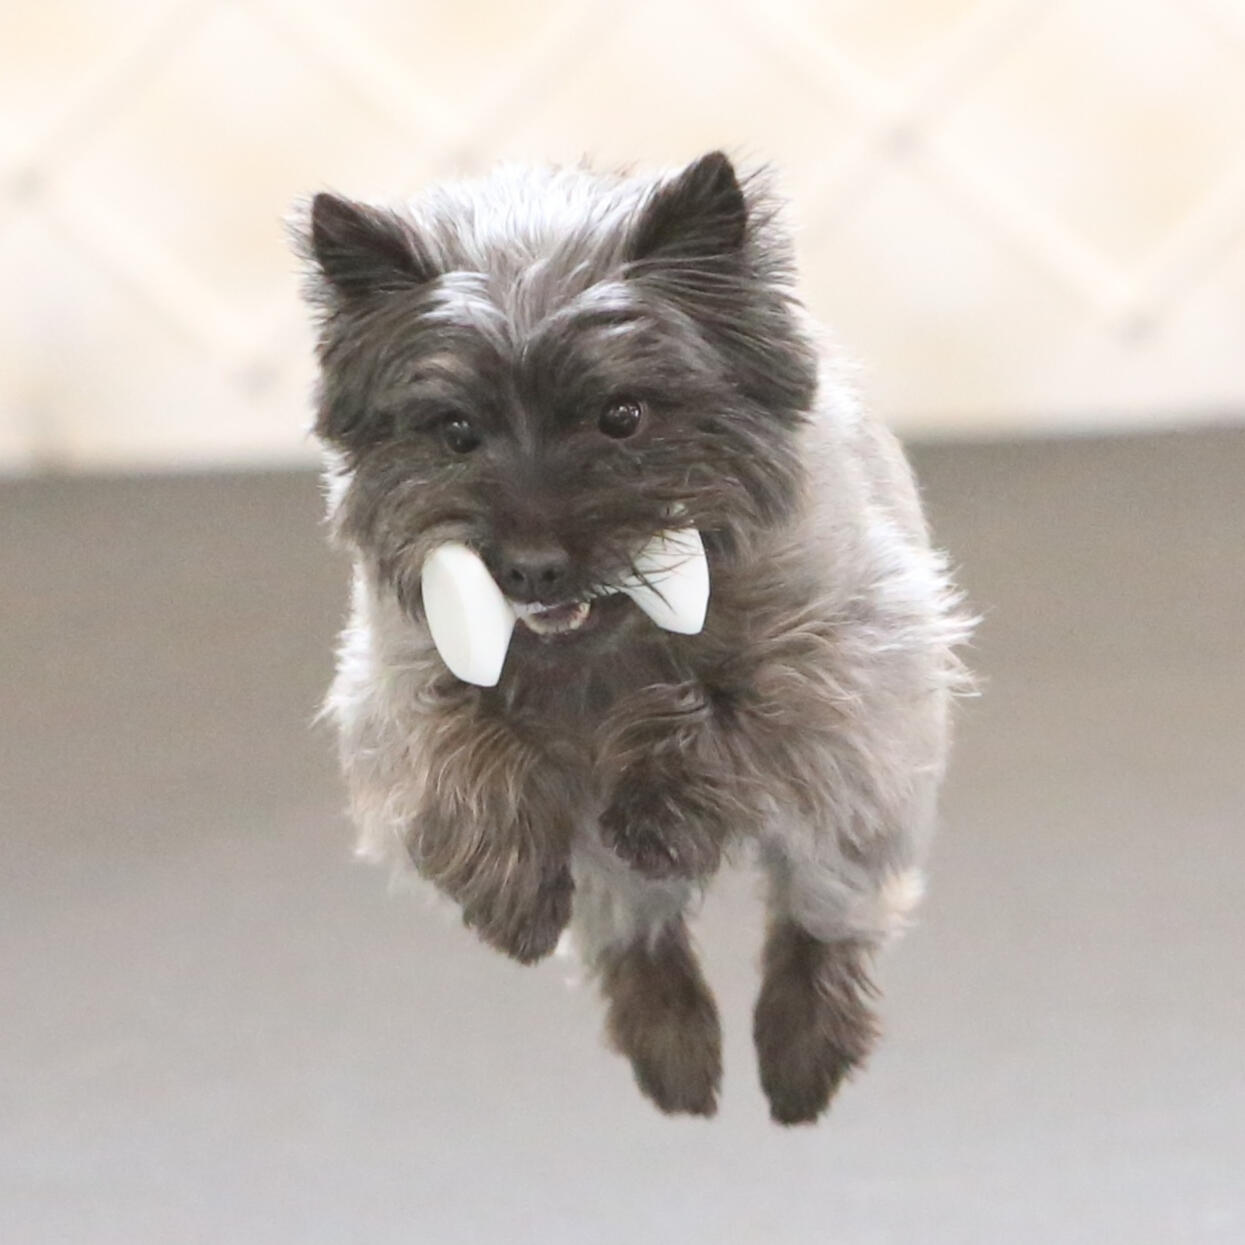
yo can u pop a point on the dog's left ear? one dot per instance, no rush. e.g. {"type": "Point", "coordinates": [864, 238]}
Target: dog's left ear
{"type": "Point", "coordinates": [698, 214]}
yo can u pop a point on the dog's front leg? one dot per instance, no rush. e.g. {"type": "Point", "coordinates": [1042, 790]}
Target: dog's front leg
{"type": "Point", "coordinates": [672, 797]}
{"type": "Point", "coordinates": [494, 833]}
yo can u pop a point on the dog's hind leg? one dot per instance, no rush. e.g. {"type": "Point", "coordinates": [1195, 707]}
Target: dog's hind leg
{"type": "Point", "coordinates": [814, 1023]}
{"type": "Point", "coordinates": [631, 933]}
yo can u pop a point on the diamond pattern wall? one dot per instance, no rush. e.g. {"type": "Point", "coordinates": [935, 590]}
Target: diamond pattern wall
{"type": "Point", "coordinates": [1018, 214]}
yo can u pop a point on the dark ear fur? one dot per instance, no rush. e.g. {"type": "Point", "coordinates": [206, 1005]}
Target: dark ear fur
{"type": "Point", "coordinates": [365, 250]}
{"type": "Point", "coordinates": [699, 214]}
{"type": "Point", "coordinates": [703, 246]}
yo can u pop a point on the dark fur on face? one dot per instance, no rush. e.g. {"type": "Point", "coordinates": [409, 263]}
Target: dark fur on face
{"type": "Point", "coordinates": [553, 366]}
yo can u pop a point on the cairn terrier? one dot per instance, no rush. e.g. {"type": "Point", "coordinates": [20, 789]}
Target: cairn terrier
{"type": "Point", "coordinates": [550, 367]}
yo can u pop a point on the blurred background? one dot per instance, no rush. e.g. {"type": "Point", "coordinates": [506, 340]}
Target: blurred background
{"type": "Point", "coordinates": [1024, 221]}
{"type": "Point", "coordinates": [1022, 215]}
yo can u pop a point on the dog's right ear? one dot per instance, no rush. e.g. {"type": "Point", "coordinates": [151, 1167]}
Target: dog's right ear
{"type": "Point", "coordinates": [360, 250]}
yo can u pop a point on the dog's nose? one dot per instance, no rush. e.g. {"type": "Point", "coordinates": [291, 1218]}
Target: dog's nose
{"type": "Point", "coordinates": [528, 575]}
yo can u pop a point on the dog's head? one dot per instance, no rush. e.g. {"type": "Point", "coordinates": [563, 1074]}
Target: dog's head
{"type": "Point", "coordinates": [548, 365]}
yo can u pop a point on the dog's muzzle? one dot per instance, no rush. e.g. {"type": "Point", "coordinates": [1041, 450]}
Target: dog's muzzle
{"type": "Point", "coordinates": [471, 620]}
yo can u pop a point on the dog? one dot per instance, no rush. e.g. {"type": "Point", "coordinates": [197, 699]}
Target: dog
{"type": "Point", "coordinates": [549, 366]}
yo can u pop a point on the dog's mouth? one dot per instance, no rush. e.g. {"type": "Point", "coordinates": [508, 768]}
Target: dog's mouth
{"type": "Point", "coordinates": [558, 619]}
{"type": "Point", "coordinates": [472, 622]}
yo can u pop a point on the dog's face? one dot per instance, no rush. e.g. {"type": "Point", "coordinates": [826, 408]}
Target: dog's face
{"type": "Point", "coordinates": [548, 367]}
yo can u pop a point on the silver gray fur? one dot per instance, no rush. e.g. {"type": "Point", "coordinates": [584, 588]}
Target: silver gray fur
{"type": "Point", "coordinates": [601, 782]}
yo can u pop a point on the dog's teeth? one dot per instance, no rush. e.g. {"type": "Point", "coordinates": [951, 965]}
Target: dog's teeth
{"type": "Point", "coordinates": [532, 617]}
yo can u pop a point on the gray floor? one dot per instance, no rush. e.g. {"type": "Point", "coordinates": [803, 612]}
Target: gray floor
{"type": "Point", "coordinates": [217, 1027]}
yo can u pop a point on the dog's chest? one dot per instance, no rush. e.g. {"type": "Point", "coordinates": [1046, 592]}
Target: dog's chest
{"type": "Point", "coordinates": [567, 704]}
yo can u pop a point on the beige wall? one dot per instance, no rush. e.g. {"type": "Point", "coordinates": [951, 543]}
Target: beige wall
{"type": "Point", "coordinates": [1019, 216]}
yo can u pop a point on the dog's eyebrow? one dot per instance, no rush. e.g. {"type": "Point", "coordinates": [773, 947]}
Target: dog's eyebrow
{"type": "Point", "coordinates": [461, 301]}
{"type": "Point", "coordinates": [434, 378]}
{"type": "Point", "coordinates": [609, 304]}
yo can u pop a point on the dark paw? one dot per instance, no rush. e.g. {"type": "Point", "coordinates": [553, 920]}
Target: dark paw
{"type": "Point", "coordinates": [811, 1026]}
{"type": "Point", "coordinates": [800, 1075]}
{"type": "Point", "coordinates": [683, 1082]}
{"type": "Point", "coordinates": [663, 1018]}
{"type": "Point", "coordinates": [525, 927]}
{"type": "Point", "coordinates": [645, 849]}
{"type": "Point", "coordinates": [659, 840]}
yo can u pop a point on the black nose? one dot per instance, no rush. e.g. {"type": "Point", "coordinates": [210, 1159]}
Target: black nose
{"type": "Point", "coordinates": [534, 574]}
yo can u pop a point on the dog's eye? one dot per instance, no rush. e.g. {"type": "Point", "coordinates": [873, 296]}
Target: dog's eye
{"type": "Point", "coordinates": [458, 433]}
{"type": "Point", "coordinates": [621, 418]}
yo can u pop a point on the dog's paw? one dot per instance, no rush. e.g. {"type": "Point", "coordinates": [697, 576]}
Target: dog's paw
{"type": "Point", "coordinates": [678, 1065]}
{"type": "Point", "coordinates": [643, 847]}
{"type": "Point", "coordinates": [663, 1019]}
{"type": "Point", "coordinates": [800, 1066]}
{"type": "Point", "coordinates": [525, 926]}
{"type": "Point", "coordinates": [657, 837]}
{"type": "Point", "coordinates": [811, 1026]}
